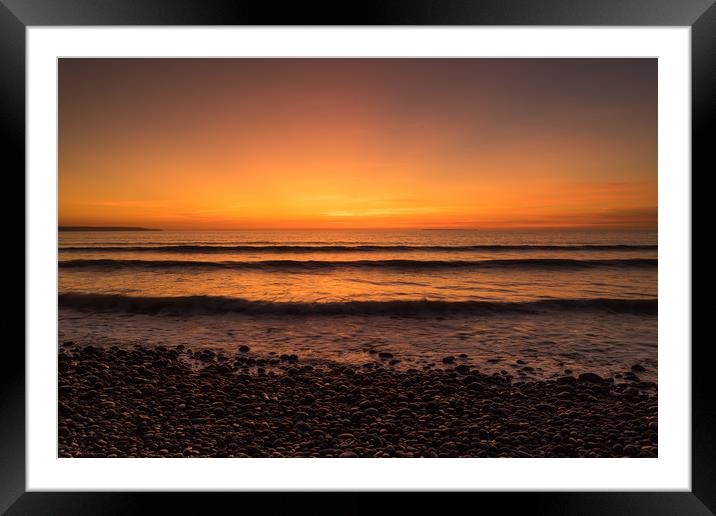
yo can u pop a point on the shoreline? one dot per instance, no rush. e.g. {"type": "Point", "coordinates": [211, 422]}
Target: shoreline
{"type": "Point", "coordinates": [526, 346]}
{"type": "Point", "coordinates": [180, 402]}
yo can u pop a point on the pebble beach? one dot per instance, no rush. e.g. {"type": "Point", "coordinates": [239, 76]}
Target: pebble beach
{"type": "Point", "coordinates": [182, 402]}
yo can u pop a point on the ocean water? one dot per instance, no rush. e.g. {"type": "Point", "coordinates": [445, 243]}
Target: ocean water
{"type": "Point", "coordinates": [556, 300]}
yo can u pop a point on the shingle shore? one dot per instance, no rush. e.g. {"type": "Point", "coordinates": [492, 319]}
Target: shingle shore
{"type": "Point", "coordinates": [155, 402]}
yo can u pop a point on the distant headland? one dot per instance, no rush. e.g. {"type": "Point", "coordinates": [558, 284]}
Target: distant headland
{"type": "Point", "coordinates": [104, 228]}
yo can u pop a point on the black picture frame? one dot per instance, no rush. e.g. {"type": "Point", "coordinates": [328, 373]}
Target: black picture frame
{"type": "Point", "coordinates": [17, 15]}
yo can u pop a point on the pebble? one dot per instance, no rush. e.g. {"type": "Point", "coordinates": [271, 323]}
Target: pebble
{"type": "Point", "coordinates": [567, 380]}
{"type": "Point", "coordinates": [591, 377]}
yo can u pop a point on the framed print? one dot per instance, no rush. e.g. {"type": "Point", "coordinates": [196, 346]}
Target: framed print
{"type": "Point", "coordinates": [421, 249]}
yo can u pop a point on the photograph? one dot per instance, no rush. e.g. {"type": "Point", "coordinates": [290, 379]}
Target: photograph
{"type": "Point", "coordinates": [357, 257]}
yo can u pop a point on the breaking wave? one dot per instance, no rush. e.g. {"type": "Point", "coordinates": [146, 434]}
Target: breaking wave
{"type": "Point", "coordinates": [188, 305]}
{"type": "Point", "coordinates": [317, 265]}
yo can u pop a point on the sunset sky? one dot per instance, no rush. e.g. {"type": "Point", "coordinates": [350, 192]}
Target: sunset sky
{"type": "Point", "coordinates": [350, 143]}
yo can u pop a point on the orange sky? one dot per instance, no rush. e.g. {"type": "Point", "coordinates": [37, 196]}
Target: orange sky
{"type": "Point", "coordinates": [322, 143]}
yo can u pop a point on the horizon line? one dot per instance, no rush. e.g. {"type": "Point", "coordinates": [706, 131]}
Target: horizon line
{"type": "Point", "coordinates": [358, 228]}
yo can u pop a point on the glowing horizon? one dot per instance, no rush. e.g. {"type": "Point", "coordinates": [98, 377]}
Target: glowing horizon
{"type": "Point", "coordinates": [358, 143]}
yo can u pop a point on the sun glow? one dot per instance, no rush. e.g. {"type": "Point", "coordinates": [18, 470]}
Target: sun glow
{"type": "Point", "coordinates": [320, 143]}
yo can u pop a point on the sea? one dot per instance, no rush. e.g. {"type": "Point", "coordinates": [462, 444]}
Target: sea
{"type": "Point", "coordinates": [528, 303]}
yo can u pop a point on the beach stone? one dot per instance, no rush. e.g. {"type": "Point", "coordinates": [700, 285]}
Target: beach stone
{"type": "Point", "coordinates": [567, 380]}
{"type": "Point", "coordinates": [591, 377]}
{"type": "Point", "coordinates": [647, 385]}
{"type": "Point", "coordinates": [648, 451]}
{"type": "Point", "coordinates": [631, 450]}
{"type": "Point", "coordinates": [302, 426]}
{"type": "Point", "coordinates": [385, 354]}
{"type": "Point", "coordinates": [244, 349]}
{"type": "Point", "coordinates": [448, 360]}
{"type": "Point", "coordinates": [638, 368]}
{"type": "Point", "coordinates": [462, 369]}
